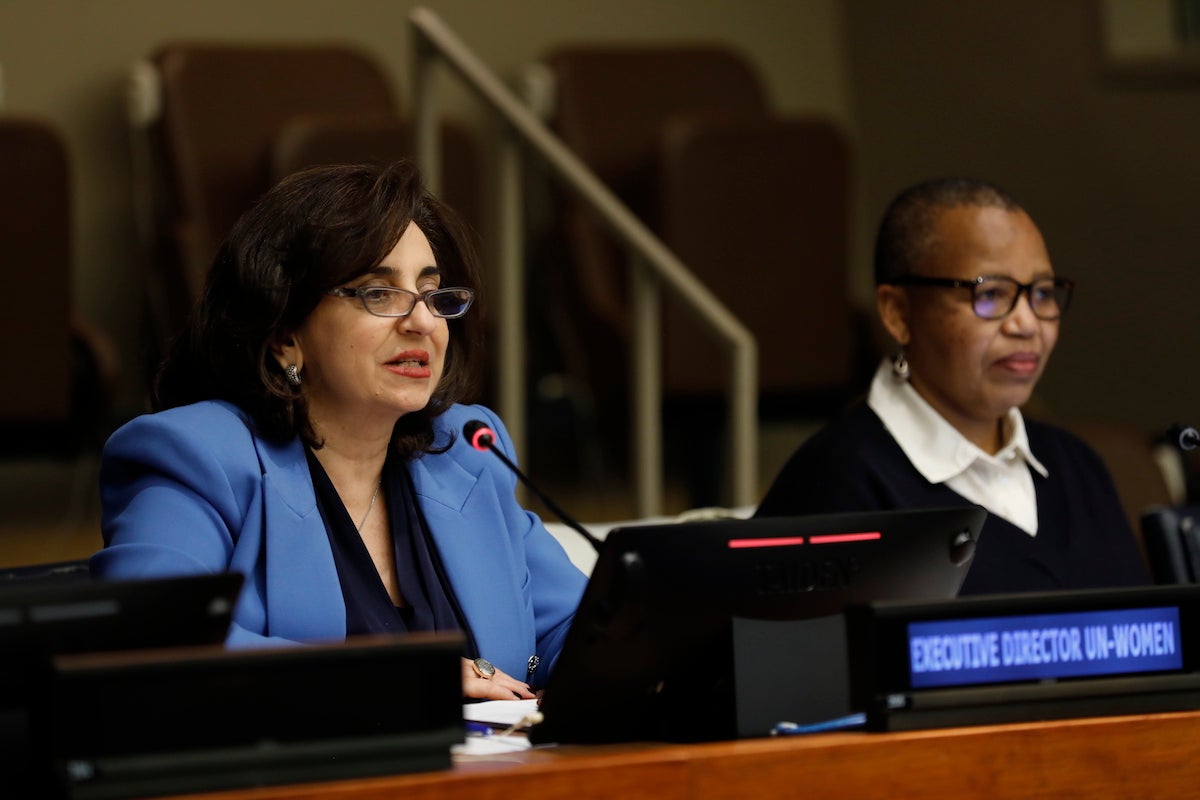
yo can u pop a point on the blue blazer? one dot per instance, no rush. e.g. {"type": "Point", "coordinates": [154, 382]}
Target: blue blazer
{"type": "Point", "coordinates": [194, 490]}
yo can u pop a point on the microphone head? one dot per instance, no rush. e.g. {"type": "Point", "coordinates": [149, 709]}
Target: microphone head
{"type": "Point", "coordinates": [1184, 437]}
{"type": "Point", "coordinates": [478, 434]}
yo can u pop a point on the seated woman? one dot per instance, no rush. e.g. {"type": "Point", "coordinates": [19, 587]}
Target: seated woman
{"type": "Point", "coordinates": [965, 286]}
{"type": "Point", "coordinates": [308, 434]}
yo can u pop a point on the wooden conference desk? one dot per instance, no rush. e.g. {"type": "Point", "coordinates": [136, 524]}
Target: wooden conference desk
{"type": "Point", "coordinates": [1148, 756]}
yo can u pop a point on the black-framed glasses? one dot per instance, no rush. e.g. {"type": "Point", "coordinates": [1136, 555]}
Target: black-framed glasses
{"type": "Point", "coordinates": [388, 301]}
{"type": "Point", "coordinates": [994, 296]}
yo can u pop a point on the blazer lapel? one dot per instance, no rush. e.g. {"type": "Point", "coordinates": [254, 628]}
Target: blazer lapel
{"type": "Point", "coordinates": [466, 521]}
{"type": "Point", "coordinates": [301, 581]}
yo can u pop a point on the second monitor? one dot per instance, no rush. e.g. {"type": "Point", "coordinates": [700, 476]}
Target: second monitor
{"type": "Point", "coordinates": [683, 626]}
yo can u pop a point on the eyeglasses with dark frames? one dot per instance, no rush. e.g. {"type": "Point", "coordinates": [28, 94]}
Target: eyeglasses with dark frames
{"type": "Point", "coordinates": [994, 297]}
{"type": "Point", "coordinates": [389, 301]}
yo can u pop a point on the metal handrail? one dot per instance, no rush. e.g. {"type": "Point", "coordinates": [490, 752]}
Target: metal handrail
{"type": "Point", "coordinates": [653, 265]}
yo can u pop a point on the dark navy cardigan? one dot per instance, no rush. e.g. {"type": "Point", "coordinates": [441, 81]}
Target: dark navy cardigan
{"type": "Point", "coordinates": [1083, 540]}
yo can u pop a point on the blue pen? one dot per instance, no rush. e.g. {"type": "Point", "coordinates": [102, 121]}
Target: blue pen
{"type": "Point", "coordinates": [847, 722]}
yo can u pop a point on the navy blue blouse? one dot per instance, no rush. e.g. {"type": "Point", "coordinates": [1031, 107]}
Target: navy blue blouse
{"type": "Point", "coordinates": [429, 599]}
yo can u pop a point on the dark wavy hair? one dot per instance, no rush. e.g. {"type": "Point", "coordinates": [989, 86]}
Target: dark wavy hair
{"type": "Point", "coordinates": [314, 231]}
{"type": "Point", "coordinates": [908, 234]}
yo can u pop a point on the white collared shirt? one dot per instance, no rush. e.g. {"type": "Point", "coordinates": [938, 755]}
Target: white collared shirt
{"type": "Point", "coordinates": [1000, 483]}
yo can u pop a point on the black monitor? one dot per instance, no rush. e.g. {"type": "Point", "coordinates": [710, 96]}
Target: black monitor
{"type": "Point", "coordinates": [43, 618]}
{"type": "Point", "coordinates": [684, 627]}
{"type": "Point", "coordinates": [39, 618]}
{"type": "Point", "coordinates": [184, 720]}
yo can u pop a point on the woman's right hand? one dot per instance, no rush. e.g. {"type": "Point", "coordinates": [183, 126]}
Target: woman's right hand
{"type": "Point", "coordinates": [500, 686]}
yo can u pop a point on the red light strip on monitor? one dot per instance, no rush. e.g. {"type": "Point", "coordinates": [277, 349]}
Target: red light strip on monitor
{"type": "Point", "coordinates": [782, 541]}
{"type": "Point", "coordinates": [792, 541]}
{"type": "Point", "coordinates": [835, 538]}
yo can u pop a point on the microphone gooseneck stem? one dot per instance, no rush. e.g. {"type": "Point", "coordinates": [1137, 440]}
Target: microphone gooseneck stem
{"type": "Point", "coordinates": [550, 504]}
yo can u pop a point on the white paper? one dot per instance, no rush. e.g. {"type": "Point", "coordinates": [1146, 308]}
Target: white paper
{"type": "Point", "coordinates": [501, 713]}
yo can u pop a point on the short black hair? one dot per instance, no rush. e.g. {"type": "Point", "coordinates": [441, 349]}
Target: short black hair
{"type": "Point", "coordinates": [313, 231]}
{"type": "Point", "coordinates": [907, 233]}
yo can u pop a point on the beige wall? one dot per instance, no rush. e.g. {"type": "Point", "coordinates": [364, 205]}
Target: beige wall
{"type": "Point", "coordinates": [1015, 91]}
{"type": "Point", "coordinates": [66, 61]}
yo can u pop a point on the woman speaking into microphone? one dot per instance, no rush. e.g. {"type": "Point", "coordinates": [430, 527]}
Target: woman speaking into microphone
{"type": "Point", "coordinates": [307, 434]}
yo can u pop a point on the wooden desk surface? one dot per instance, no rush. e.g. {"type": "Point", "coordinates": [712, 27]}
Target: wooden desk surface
{"type": "Point", "coordinates": [1151, 756]}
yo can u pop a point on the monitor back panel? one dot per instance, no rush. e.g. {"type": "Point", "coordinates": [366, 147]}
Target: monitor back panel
{"type": "Point", "coordinates": [656, 623]}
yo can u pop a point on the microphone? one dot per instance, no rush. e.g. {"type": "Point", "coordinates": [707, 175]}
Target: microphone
{"type": "Point", "coordinates": [1183, 436]}
{"type": "Point", "coordinates": [481, 437]}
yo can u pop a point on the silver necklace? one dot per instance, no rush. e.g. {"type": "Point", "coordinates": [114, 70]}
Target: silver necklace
{"type": "Point", "coordinates": [370, 506]}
